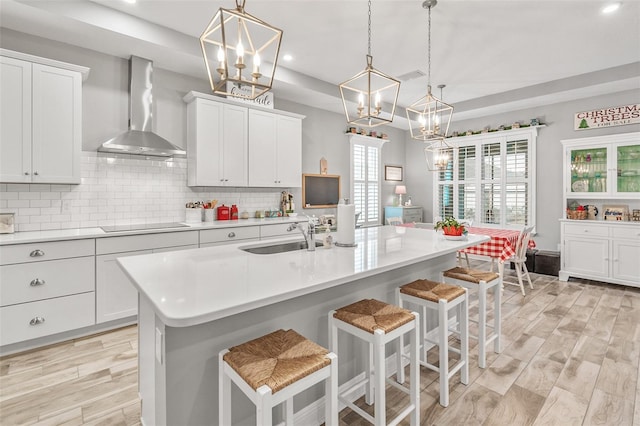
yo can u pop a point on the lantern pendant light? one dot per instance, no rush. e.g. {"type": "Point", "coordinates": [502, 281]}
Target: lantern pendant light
{"type": "Point", "coordinates": [233, 40]}
{"type": "Point", "coordinates": [429, 117]}
{"type": "Point", "coordinates": [369, 98]}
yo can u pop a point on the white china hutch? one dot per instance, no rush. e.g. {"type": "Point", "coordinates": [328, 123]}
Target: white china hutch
{"type": "Point", "coordinates": [601, 177]}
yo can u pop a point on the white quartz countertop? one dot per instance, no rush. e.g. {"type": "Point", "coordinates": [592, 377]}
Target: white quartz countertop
{"type": "Point", "coordinates": [195, 286]}
{"type": "Point", "coordinates": [80, 233]}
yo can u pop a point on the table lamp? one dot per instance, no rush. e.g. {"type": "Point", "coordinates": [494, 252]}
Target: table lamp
{"type": "Point", "coordinates": [400, 189]}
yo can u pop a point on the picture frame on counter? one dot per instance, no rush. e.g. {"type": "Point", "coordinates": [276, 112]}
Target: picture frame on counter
{"type": "Point", "coordinates": [393, 173]}
{"type": "Point", "coordinates": [616, 212]}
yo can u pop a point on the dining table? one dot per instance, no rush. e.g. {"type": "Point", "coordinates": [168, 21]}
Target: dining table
{"type": "Point", "coordinates": [501, 246]}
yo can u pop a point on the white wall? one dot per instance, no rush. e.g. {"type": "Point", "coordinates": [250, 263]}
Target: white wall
{"type": "Point", "coordinates": [559, 125]}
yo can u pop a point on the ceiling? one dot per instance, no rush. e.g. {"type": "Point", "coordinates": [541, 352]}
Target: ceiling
{"type": "Point", "coordinates": [493, 56]}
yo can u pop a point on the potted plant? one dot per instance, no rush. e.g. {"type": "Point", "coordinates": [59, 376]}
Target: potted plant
{"type": "Point", "coordinates": [450, 226]}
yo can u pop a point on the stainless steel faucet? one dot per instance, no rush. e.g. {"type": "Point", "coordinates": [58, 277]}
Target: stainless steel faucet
{"type": "Point", "coordinates": [309, 235]}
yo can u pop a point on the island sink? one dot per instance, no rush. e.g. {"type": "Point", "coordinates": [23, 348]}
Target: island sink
{"type": "Point", "coordinates": [280, 248]}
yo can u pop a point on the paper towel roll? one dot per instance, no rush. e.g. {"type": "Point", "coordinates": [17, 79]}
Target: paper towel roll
{"type": "Point", "coordinates": [346, 224]}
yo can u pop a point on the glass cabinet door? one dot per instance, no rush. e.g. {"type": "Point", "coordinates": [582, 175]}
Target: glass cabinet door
{"type": "Point", "coordinates": [628, 167]}
{"type": "Point", "coordinates": [589, 170]}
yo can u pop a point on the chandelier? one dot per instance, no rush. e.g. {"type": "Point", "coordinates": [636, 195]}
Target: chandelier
{"type": "Point", "coordinates": [240, 52]}
{"type": "Point", "coordinates": [438, 155]}
{"type": "Point", "coordinates": [429, 117]}
{"type": "Point", "coordinates": [369, 98]}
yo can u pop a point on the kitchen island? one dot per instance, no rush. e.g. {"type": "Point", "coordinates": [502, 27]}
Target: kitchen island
{"type": "Point", "coordinates": [194, 303]}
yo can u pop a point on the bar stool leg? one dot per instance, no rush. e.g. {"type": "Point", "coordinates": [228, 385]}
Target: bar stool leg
{"type": "Point", "coordinates": [497, 317]}
{"type": "Point", "coordinates": [224, 394]}
{"type": "Point", "coordinates": [443, 350]}
{"type": "Point", "coordinates": [263, 407]}
{"type": "Point", "coordinates": [287, 410]}
{"type": "Point", "coordinates": [414, 371]}
{"type": "Point", "coordinates": [369, 393]}
{"type": "Point", "coordinates": [463, 323]}
{"type": "Point", "coordinates": [331, 393]}
{"type": "Point", "coordinates": [482, 324]}
{"type": "Point", "coordinates": [380, 378]}
{"type": "Point", "coordinates": [400, 346]}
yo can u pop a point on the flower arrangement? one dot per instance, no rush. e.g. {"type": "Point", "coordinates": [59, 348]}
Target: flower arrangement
{"type": "Point", "coordinates": [450, 226]}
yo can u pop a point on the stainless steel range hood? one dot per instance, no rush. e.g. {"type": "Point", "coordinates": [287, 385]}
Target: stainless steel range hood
{"type": "Point", "coordinates": [140, 139]}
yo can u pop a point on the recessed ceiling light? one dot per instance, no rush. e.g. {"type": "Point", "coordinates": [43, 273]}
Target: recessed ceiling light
{"type": "Point", "coordinates": [287, 57]}
{"type": "Point", "coordinates": [611, 7]}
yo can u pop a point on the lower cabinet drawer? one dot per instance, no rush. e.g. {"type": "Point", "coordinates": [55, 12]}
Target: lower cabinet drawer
{"type": "Point", "coordinates": [278, 230]}
{"type": "Point", "coordinates": [28, 321]}
{"type": "Point", "coordinates": [412, 216]}
{"type": "Point", "coordinates": [586, 230]}
{"type": "Point", "coordinates": [228, 234]}
{"type": "Point", "coordinates": [22, 283]}
{"type": "Point", "coordinates": [627, 232]}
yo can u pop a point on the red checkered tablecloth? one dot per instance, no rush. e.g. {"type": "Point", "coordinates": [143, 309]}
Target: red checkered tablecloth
{"type": "Point", "coordinates": [502, 245]}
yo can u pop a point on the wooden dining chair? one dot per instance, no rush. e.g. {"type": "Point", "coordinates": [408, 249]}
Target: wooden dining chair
{"type": "Point", "coordinates": [466, 223]}
{"type": "Point", "coordinates": [520, 258]}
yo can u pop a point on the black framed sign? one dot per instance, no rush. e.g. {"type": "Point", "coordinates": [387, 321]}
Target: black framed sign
{"type": "Point", "coordinates": [393, 173]}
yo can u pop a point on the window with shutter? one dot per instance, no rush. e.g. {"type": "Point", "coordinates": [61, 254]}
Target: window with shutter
{"type": "Point", "coordinates": [365, 178]}
{"type": "Point", "coordinates": [490, 180]}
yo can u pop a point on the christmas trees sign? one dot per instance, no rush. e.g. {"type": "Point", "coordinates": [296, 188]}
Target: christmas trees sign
{"type": "Point", "coordinates": [607, 117]}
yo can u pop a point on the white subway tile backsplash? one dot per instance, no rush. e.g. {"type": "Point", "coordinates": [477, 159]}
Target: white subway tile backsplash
{"type": "Point", "coordinates": [119, 190]}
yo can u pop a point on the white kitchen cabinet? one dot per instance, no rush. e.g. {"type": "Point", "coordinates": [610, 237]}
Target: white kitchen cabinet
{"type": "Point", "coordinates": [216, 144]}
{"type": "Point", "coordinates": [41, 115]}
{"type": "Point", "coordinates": [601, 251]}
{"type": "Point", "coordinates": [38, 294]}
{"type": "Point", "coordinates": [116, 297]}
{"type": "Point", "coordinates": [275, 150]}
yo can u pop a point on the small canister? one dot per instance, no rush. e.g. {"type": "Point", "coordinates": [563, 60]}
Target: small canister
{"type": "Point", "coordinates": [7, 221]}
{"type": "Point", "coordinates": [234, 212]}
{"type": "Point", "coordinates": [223, 212]}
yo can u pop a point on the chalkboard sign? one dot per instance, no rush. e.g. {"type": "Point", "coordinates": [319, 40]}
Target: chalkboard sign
{"type": "Point", "coordinates": [320, 191]}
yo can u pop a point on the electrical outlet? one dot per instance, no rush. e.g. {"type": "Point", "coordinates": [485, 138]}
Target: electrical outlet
{"type": "Point", "coordinates": [159, 345]}
{"type": "Point", "coordinates": [66, 206]}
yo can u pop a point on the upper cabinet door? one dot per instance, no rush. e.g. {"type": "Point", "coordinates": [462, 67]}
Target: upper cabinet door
{"type": "Point", "coordinates": [15, 116]}
{"type": "Point", "coordinates": [289, 152]}
{"type": "Point", "coordinates": [262, 148]}
{"type": "Point", "coordinates": [275, 150]}
{"type": "Point", "coordinates": [235, 145]}
{"type": "Point", "coordinates": [204, 143]}
{"type": "Point", "coordinates": [56, 124]}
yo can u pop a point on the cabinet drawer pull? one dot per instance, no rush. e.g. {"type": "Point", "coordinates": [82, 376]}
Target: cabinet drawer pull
{"type": "Point", "coordinates": [36, 321]}
{"type": "Point", "coordinates": [231, 234]}
{"type": "Point", "coordinates": [26, 173]}
{"type": "Point", "coordinates": [35, 173]}
{"type": "Point", "coordinates": [36, 282]}
{"type": "Point", "coordinates": [36, 253]}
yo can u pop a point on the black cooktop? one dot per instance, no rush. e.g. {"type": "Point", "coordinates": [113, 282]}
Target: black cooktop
{"type": "Point", "coordinates": [143, 227]}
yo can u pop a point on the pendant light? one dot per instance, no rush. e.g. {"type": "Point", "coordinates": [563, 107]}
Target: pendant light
{"type": "Point", "coordinates": [240, 52]}
{"type": "Point", "coordinates": [369, 98]}
{"type": "Point", "coordinates": [437, 151]}
{"type": "Point", "coordinates": [429, 117]}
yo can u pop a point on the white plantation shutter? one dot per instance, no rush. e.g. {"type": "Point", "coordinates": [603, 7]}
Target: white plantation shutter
{"type": "Point", "coordinates": [490, 182]}
{"type": "Point", "coordinates": [517, 177]}
{"type": "Point", "coordinates": [366, 180]}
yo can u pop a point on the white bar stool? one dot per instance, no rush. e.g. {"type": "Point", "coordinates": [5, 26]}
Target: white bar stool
{"type": "Point", "coordinates": [273, 368]}
{"type": "Point", "coordinates": [379, 323]}
{"type": "Point", "coordinates": [482, 281]}
{"type": "Point", "coordinates": [441, 298]}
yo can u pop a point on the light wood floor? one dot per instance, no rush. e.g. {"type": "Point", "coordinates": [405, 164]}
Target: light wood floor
{"type": "Point", "coordinates": [570, 356]}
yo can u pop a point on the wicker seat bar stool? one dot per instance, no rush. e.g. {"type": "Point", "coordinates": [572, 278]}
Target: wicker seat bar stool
{"type": "Point", "coordinates": [482, 282]}
{"type": "Point", "coordinates": [273, 368]}
{"type": "Point", "coordinates": [378, 323]}
{"type": "Point", "coordinates": [440, 298]}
